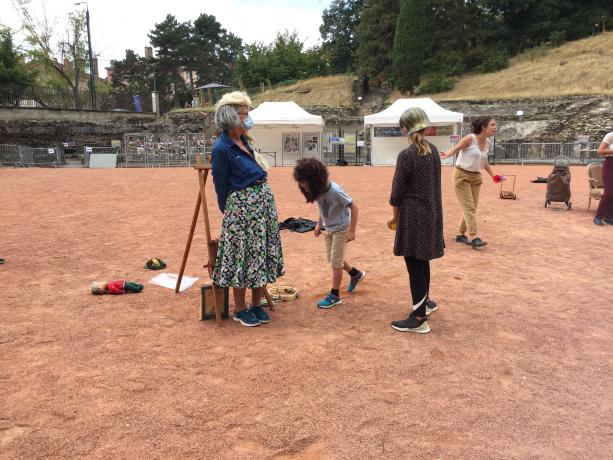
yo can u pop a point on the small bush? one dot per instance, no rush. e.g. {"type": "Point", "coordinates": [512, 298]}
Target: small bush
{"type": "Point", "coordinates": [493, 62]}
{"type": "Point", "coordinates": [537, 52]}
{"type": "Point", "coordinates": [436, 83]}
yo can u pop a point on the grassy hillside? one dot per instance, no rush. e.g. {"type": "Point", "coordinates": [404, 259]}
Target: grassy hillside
{"type": "Point", "coordinates": [579, 67]}
{"type": "Point", "coordinates": [334, 91]}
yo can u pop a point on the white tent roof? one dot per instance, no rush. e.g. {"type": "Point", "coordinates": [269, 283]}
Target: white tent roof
{"type": "Point", "coordinates": [283, 113]}
{"type": "Point", "coordinates": [436, 113]}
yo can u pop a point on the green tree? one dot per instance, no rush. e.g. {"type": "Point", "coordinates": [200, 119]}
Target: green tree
{"type": "Point", "coordinates": [375, 36]}
{"type": "Point", "coordinates": [46, 49]}
{"type": "Point", "coordinates": [172, 42]}
{"type": "Point", "coordinates": [409, 45]}
{"type": "Point", "coordinates": [12, 66]}
{"type": "Point", "coordinates": [282, 60]}
{"type": "Point", "coordinates": [132, 76]}
{"type": "Point", "coordinates": [338, 33]}
{"type": "Point", "coordinates": [214, 50]}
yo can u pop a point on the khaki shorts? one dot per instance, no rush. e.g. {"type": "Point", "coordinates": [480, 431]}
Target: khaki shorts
{"type": "Point", "coordinates": [335, 247]}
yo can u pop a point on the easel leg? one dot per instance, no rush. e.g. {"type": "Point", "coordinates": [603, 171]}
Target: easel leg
{"type": "Point", "coordinates": [269, 301]}
{"type": "Point", "coordinates": [202, 176]}
{"type": "Point", "coordinates": [189, 243]}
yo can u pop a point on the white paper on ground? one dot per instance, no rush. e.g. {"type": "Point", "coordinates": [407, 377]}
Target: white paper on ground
{"type": "Point", "coordinates": [169, 280]}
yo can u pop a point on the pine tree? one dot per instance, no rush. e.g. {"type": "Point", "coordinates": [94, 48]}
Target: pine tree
{"type": "Point", "coordinates": [409, 45]}
{"type": "Point", "coordinates": [374, 35]}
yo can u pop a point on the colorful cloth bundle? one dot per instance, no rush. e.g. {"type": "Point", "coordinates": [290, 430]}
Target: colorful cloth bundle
{"type": "Point", "coordinates": [115, 287]}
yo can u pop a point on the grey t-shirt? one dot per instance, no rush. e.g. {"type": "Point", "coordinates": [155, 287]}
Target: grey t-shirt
{"type": "Point", "coordinates": [333, 208]}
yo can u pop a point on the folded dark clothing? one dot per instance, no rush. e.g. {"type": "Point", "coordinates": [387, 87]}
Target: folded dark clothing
{"type": "Point", "coordinates": [298, 225]}
{"type": "Point", "coordinates": [539, 180]}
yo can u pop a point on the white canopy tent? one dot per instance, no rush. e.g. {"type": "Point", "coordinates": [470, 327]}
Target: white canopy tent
{"type": "Point", "coordinates": [286, 132]}
{"type": "Point", "coordinates": [385, 139]}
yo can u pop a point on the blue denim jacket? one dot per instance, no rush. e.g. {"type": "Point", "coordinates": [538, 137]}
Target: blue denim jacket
{"type": "Point", "coordinates": [232, 168]}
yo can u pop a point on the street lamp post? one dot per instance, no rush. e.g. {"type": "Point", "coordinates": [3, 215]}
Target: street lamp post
{"type": "Point", "coordinates": [92, 84]}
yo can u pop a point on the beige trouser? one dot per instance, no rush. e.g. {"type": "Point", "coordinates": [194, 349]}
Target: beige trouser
{"type": "Point", "coordinates": [335, 247]}
{"type": "Point", "coordinates": [467, 185]}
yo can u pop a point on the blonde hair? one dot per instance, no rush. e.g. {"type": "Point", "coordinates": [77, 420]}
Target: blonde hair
{"type": "Point", "coordinates": [229, 119]}
{"type": "Point", "coordinates": [234, 98]}
{"type": "Point", "coordinates": [423, 146]}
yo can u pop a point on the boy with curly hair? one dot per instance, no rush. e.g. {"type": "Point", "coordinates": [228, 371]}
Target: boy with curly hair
{"type": "Point", "coordinates": [338, 214]}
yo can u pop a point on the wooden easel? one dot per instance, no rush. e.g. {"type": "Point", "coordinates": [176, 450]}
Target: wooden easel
{"type": "Point", "coordinates": [203, 172]}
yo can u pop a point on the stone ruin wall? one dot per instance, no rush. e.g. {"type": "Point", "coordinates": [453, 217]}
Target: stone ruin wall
{"type": "Point", "coordinates": [560, 119]}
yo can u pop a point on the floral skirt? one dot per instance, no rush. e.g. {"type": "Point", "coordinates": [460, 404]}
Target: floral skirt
{"type": "Point", "coordinates": [250, 253]}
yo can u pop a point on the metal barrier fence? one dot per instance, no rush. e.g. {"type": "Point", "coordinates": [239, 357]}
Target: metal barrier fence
{"type": "Point", "coordinates": [26, 157]}
{"type": "Point", "coordinates": [578, 153]}
{"type": "Point", "coordinates": [9, 155]}
{"type": "Point", "coordinates": [156, 160]}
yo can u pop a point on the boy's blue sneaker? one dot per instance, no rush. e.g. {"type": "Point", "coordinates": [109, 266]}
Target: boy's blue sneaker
{"type": "Point", "coordinates": [246, 318]}
{"type": "Point", "coordinates": [353, 282]}
{"type": "Point", "coordinates": [260, 314]}
{"type": "Point", "coordinates": [329, 301]}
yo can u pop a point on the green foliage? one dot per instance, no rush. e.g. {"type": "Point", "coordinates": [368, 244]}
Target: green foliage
{"type": "Point", "coordinates": [282, 60]}
{"type": "Point", "coordinates": [476, 35]}
{"type": "Point", "coordinates": [203, 47]}
{"type": "Point", "coordinates": [338, 33]}
{"type": "Point", "coordinates": [409, 45]}
{"type": "Point", "coordinates": [537, 52]}
{"type": "Point", "coordinates": [375, 37]}
{"type": "Point", "coordinates": [12, 67]}
{"type": "Point", "coordinates": [495, 60]}
{"type": "Point", "coordinates": [47, 49]}
{"type": "Point", "coordinates": [133, 74]}
{"type": "Point", "coordinates": [556, 38]}
{"type": "Point", "coordinates": [436, 83]}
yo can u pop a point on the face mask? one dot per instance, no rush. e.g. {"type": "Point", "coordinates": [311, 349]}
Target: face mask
{"type": "Point", "coordinates": [248, 123]}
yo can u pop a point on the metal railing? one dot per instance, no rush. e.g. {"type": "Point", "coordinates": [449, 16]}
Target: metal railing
{"type": "Point", "coordinates": [50, 97]}
{"type": "Point", "coordinates": [149, 150]}
{"type": "Point", "coordinates": [531, 152]}
{"type": "Point", "coordinates": [27, 157]}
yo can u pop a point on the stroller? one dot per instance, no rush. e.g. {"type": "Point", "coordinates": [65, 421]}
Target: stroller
{"type": "Point", "coordinates": [558, 184]}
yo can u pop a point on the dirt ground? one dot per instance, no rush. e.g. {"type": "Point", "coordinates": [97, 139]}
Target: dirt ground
{"type": "Point", "coordinates": [518, 363]}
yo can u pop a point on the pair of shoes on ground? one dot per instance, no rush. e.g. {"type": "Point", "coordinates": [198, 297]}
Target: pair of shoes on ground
{"type": "Point", "coordinates": [252, 317]}
{"type": "Point", "coordinates": [601, 221]}
{"type": "Point", "coordinates": [331, 300]}
{"type": "Point", "coordinates": [475, 243]}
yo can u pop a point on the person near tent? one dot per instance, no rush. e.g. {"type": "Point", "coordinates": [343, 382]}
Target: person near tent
{"type": "Point", "coordinates": [467, 179]}
{"type": "Point", "coordinates": [338, 214]}
{"type": "Point", "coordinates": [417, 216]}
{"type": "Point", "coordinates": [250, 253]}
{"type": "Point", "coordinates": [604, 213]}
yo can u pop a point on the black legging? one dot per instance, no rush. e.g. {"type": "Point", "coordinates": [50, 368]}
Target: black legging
{"type": "Point", "coordinates": [419, 279]}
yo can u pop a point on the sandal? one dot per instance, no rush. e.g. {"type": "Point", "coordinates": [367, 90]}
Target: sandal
{"type": "Point", "coordinates": [477, 243]}
{"type": "Point", "coordinates": [462, 239]}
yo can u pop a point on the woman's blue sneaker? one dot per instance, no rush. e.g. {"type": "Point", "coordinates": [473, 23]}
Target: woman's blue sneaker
{"type": "Point", "coordinates": [353, 282]}
{"type": "Point", "coordinates": [246, 318]}
{"type": "Point", "coordinates": [260, 314]}
{"type": "Point", "coordinates": [329, 301]}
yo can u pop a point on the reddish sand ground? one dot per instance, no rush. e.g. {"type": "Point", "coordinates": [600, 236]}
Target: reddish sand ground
{"type": "Point", "coordinates": [518, 363]}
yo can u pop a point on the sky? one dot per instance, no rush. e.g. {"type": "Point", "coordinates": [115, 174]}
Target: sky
{"type": "Point", "coordinates": [117, 25]}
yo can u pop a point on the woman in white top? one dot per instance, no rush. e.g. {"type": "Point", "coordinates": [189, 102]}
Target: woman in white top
{"type": "Point", "coordinates": [604, 214]}
{"type": "Point", "coordinates": [467, 179]}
